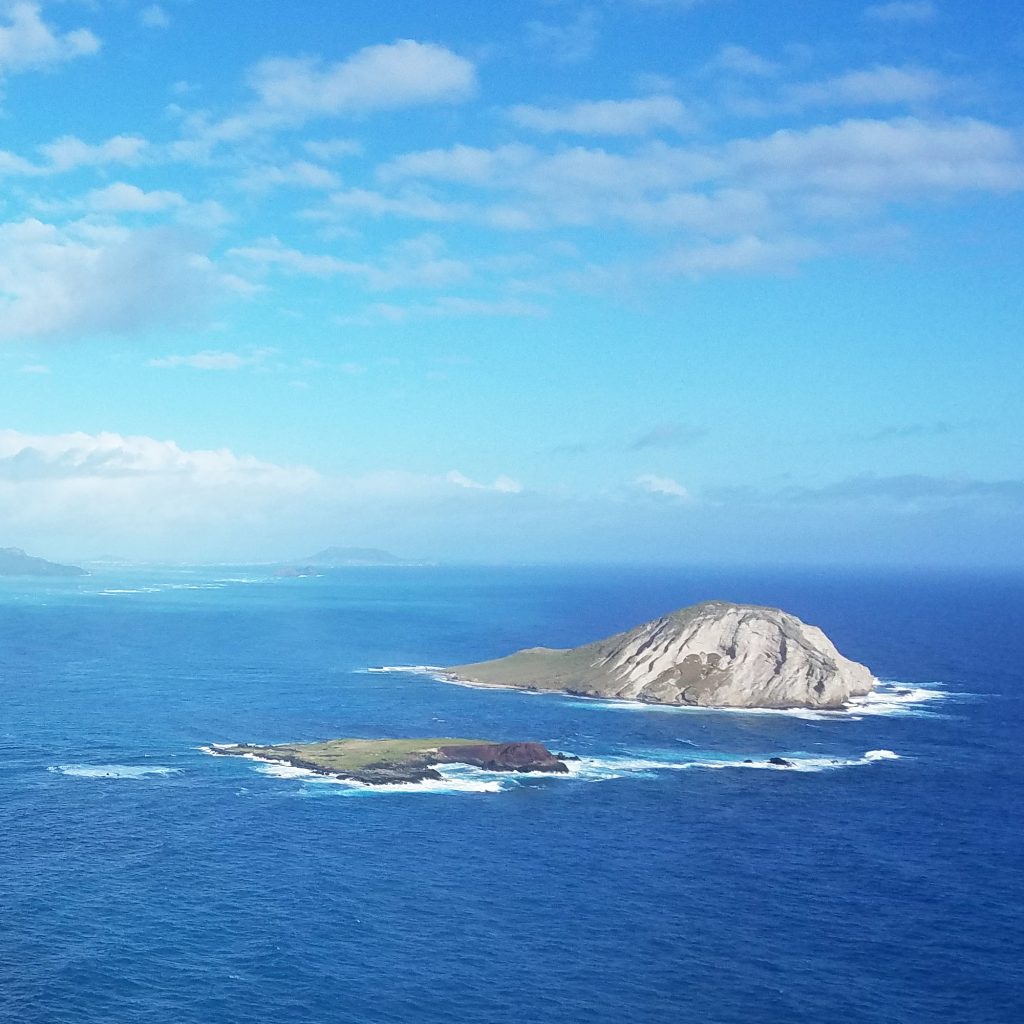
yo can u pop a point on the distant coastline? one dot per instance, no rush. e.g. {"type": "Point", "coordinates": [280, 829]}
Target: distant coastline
{"type": "Point", "coordinates": [16, 562]}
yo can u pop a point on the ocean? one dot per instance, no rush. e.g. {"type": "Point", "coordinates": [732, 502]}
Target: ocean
{"type": "Point", "coordinates": [878, 881]}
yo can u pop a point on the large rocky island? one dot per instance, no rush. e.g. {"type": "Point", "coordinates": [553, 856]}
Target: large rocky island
{"type": "Point", "coordinates": [15, 562]}
{"type": "Point", "coordinates": [382, 761]}
{"type": "Point", "coordinates": [714, 654]}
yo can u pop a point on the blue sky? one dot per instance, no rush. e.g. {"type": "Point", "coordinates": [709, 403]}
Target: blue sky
{"type": "Point", "coordinates": [628, 280]}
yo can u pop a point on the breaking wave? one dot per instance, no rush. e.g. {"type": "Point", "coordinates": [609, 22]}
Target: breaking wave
{"type": "Point", "coordinates": [111, 771]}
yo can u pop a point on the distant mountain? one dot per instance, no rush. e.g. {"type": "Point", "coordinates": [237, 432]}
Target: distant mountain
{"type": "Point", "coordinates": [333, 558]}
{"type": "Point", "coordinates": [14, 562]}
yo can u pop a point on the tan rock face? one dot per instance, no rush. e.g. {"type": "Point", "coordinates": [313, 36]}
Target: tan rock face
{"type": "Point", "coordinates": [714, 654]}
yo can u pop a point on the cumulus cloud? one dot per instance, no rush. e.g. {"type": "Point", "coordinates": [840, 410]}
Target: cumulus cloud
{"type": "Point", "coordinates": [291, 91]}
{"type": "Point", "coordinates": [137, 494]}
{"type": "Point", "coordinates": [78, 279]}
{"type": "Point", "coordinates": [384, 77]}
{"type": "Point", "coordinates": [881, 85]}
{"type": "Point", "coordinates": [121, 197]}
{"type": "Point", "coordinates": [732, 189]}
{"type": "Point", "coordinates": [70, 152]}
{"type": "Point", "coordinates": [884, 158]}
{"type": "Point", "coordinates": [606, 117]}
{"type": "Point", "coordinates": [27, 43]}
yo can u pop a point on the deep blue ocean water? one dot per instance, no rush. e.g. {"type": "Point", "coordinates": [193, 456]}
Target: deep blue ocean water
{"type": "Point", "coordinates": [142, 880]}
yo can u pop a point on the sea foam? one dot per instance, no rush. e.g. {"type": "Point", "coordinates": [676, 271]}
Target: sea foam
{"type": "Point", "coordinates": [112, 771]}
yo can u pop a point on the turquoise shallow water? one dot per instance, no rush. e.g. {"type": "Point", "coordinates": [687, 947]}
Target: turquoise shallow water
{"type": "Point", "coordinates": [143, 880]}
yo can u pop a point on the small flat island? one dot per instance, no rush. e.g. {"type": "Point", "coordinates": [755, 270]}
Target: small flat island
{"type": "Point", "coordinates": [380, 761]}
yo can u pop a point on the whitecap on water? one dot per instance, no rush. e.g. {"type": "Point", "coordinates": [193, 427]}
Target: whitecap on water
{"type": "Point", "coordinates": [112, 771]}
{"type": "Point", "coordinates": [597, 769]}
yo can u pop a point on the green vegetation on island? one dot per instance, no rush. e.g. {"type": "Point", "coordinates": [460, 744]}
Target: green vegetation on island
{"type": "Point", "coordinates": [376, 761]}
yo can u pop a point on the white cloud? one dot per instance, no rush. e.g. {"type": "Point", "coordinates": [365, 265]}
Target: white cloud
{"type": "Point", "coordinates": [82, 279]}
{"type": "Point", "coordinates": [416, 262]}
{"type": "Point", "coordinates": [327, 150]}
{"type": "Point", "coordinates": [112, 455]}
{"type": "Point", "coordinates": [662, 485]}
{"type": "Point", "coordinates": [137, 494]}
{"type": "Point", "coordinates": [27, 43]}
{"type": "Point", "coordinates": [69, 152]}
{"type": "Point", "coordinates": [210, 360]}
{"type": "Point", "coordinates": [121, 197]}
{"type": "Point", "coordinates": [567, 43]}
{"type": "Point", "coordinates": [385, 77]}
{"type": "Point", "coordinates": [884, 158]}
{"type": "Point", "coordinates": [882, 85]}
{"type": "Point", "coordinates": [35, 368]}
{"type": "Point", "coordinates": [405, 203]}
{"type": "Point", "coordinates": [154, 16]}
{"type": "Point", "coordinates": [443, 307]}
{"type": "Point", "coordinates": [298, 174]}
{"type": "Point", "coordinates": [293, 90]}
{"type": "Point", "coordinates": [908, 11]}
{"type": "Point", "coordinates": [741, 61]}
{"type": "Point", "coordinates": [502, 484]}
{"type": "Point", "coordinates": [606, 117]}
{"type": "Point", "coordinates": [746, 254]}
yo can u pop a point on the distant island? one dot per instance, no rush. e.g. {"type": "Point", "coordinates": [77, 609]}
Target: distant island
{"type": "Point", "coordinates": [401, 760]}
{"type": "Point", "coordinates": [714, 654]}
{"type": "Point", "coordinates": [15, 562]}
{"type": "Point", "coordinates": [338, 558]}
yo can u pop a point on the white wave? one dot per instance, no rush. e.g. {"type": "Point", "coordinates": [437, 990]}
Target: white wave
{"type": "Point", "coordinates": [111, 771]}
{"type": "Point", "coordinates": [596, 769]}
{"type": "Point", "coordinates": [417, 670]}
{"type": "Point", "coordinates": [287, 771]}
{"type": "Point", "coordinates": [215, 749]}
{"type": "Point", "coordinates": [898, 699]}
{"type": "Point", "coordinates": [130, 590]}
{"type": "Point", "coordinates": [453, 780]}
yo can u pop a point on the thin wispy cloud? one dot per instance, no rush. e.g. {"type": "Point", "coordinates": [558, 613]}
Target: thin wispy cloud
{"type": "Point", "coordinates": [211, 360]}
{"type": "Point", "coordinates": [917, 12]}
{"type": "Point", "coordinates": [667, 435]}
{"type": "Point", "coordinates": [663, 486]}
